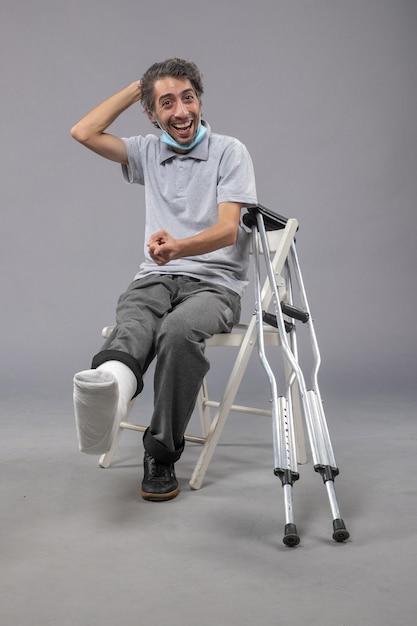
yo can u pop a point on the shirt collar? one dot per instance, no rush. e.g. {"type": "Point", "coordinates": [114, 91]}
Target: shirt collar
{"type": "Point", "coordinates": [200, 152]}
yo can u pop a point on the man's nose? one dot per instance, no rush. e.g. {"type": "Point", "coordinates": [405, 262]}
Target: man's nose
{"type": "Point", "coordinates": [180, 109]}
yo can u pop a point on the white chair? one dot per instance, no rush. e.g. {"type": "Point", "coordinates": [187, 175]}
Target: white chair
{"type": "Point", "coordinates": [244, 338]}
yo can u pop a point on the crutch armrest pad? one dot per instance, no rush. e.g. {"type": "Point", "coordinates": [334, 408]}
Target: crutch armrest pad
{"type": "Point", "coordinates": [272, 221]}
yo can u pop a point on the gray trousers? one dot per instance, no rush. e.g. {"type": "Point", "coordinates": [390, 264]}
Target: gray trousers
{"type": "Point", "coordinates": [169, 317]}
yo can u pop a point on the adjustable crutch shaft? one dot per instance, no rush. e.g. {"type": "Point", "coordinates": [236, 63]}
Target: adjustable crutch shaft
{"type": "Point", "coordinates": [283, 433]}
{"type": "Point", "coordinates": [320, 442]}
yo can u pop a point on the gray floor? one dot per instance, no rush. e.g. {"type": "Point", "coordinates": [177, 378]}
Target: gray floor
{"type": "Point", "coordinates": [79, 546]}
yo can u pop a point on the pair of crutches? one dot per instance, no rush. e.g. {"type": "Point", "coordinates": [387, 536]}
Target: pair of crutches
{"type": "Point", "coordinates": [284, 318]}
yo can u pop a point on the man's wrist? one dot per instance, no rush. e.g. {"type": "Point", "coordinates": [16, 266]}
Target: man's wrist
{"type": "Point", "coordinates": [135, 91]}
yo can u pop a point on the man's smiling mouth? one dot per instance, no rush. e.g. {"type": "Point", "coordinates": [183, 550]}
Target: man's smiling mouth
{"type": "Point", "coordinates": [183, 127]}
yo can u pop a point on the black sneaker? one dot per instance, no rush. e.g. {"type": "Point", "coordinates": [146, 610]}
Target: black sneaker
{"type": "Point", "coordinates": [159, 481]}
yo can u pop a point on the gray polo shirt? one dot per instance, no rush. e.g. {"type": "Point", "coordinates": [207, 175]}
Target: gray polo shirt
{"type": "Point", "coordinates": [182, 196]}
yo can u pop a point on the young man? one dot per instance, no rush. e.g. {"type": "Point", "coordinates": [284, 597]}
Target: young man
{"type": "Point", "coordinates": [194, 273]}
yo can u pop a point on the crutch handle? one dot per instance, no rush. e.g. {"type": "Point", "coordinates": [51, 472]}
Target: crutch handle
{"type": "Point", "coordinates": [295, 312]}
{"type": "Point", "coordinates": [271, 320]}
{"type": "Point", "coordinates": [289, 310]}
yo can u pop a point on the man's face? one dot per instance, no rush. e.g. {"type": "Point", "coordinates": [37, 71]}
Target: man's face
{"type": "Point", "coordinates": [177, 108]}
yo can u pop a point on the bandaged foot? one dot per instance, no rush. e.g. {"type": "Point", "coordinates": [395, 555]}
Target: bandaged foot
{"type": "Point", "coordinates": [101, 399]}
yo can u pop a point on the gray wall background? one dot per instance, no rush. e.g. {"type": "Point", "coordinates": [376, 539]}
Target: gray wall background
{"type": "Point", "coordinates": [324, 95]}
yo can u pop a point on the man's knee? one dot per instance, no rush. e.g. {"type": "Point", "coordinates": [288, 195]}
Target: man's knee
{"type": "Point", "coordinates": [175, 330]}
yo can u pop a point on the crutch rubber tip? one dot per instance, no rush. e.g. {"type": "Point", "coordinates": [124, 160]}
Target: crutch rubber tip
{"type": "Point", "coordinates": [291, 538]}
{"type": "Point", "coordinates": [340, 533]}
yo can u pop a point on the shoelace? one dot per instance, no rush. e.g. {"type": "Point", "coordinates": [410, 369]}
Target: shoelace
{"type": "Point", "coordinates": [157, 470]}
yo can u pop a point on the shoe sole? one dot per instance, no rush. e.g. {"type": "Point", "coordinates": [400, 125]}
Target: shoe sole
{"type": "Point", "coordinates": [159, 497]}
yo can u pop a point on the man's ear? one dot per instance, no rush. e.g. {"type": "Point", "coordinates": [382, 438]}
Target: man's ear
{"type": "Point", "coordinates": [152, 117]}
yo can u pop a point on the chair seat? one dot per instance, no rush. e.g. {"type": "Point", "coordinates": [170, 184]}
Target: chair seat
{"type": "Point", "coordinates": [235, 338]}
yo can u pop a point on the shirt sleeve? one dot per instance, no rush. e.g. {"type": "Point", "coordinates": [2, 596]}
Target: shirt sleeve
{"type": "Point", "coordinates": [133, 171]}
{"type": "Point", "coordinates": [236, 181]}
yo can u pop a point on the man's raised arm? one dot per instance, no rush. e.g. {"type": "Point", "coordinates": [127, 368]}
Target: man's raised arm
{"type": "Point", "coordinates": [90, 129]}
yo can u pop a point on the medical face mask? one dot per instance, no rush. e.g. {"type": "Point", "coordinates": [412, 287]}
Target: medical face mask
{"type": "Point", "coordinates": [166, 138]}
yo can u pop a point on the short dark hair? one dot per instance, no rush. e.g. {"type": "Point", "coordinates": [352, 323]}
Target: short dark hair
{"type": "Point", "coordinates": [177, 68]}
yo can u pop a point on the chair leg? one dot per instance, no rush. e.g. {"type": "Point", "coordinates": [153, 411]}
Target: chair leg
{"type": "Point", "coordinates": [224, 409]}
{"type": "Point", "coordinates": [208, 449]}
{"type": "Point", "coordinates": [203, 409]}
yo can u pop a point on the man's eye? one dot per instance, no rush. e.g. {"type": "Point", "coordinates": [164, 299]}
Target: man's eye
{"type": "Point", "coordinates": [166, 103]}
